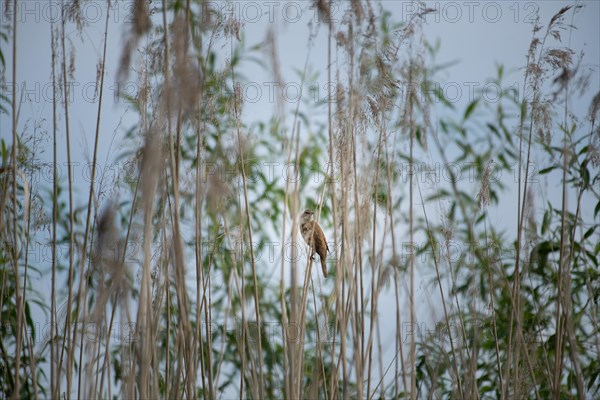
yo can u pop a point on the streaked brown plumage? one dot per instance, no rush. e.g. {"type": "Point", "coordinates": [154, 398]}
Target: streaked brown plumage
{"type": "Point", "coordinates": [314, 237]}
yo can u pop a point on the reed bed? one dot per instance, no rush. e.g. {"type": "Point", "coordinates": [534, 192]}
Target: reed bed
{"type": "Point", "coordinates": [192, 274]}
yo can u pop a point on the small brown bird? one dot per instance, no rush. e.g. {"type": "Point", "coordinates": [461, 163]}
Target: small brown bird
{"type": "Point", "coordinates": [314, 237]}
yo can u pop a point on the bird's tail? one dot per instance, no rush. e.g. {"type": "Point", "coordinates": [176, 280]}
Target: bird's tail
{"type": "Point", "coordinates": [324, 266]}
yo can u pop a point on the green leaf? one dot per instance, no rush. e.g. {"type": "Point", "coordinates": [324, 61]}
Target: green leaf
{"type": "Point", "coordinates": [494, 130]}
{"type": "Point", "coordinates": [30, 323]}
{"type": "Point", "coordinates": [470, 109]}
{"type": "Point", "coordinates": [547, 170]}
{"type": "Point", "coordinates": [437, 196]}
{"type": "Point", "coordinates": [439, 94]}
{"type": "Point", "coordinates": [583, 150]}
{"type": "Point", "coordinates": [585, 175]}
{"type": "Point", "coordinates": [5, 154]}
{"type": "Point", "coordinates": [589, 232]}
{"type": "Point", "coordinates": [546, 222]}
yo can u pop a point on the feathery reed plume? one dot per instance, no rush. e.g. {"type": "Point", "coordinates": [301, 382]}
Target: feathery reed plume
{"type": "Point", "coordinates": [141, 25]}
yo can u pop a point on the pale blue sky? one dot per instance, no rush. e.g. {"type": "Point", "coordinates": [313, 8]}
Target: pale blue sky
{"type": "Point", "coordinates": [476, 35]}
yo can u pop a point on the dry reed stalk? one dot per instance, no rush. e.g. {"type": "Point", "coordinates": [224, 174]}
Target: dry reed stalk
{"type": "Point", "coordinates": [356, 286]}
{"type": "Point", "coordinates": [443, 297]}
{"type": "Point", "coordinates": [564, 63]}
{"type": "Point", "coordinates": [171, 86]}
{"type": "Point", "coordinates": [338, 273]}
{"type": "Point", "coordinates": [237, 115]}
{"type": "Point", "coordinates": [398, 341]}
{"type": "Point", "coordinates": [18, 295]}
{"type": "Point", "coordinates": [290, 353]}
{"type": "Point", "coordinates": [82, 288]}
{"type": "Point", "coordinates": [411, 260]}
{"type": "Point", "coordinates": [53, 376]}
{"type": "Point", "coordinates": [205, 370]}
{"type": "Point", "coordinates": [374, 291]}
{"type": "Point", "coordinates": [67, 340]}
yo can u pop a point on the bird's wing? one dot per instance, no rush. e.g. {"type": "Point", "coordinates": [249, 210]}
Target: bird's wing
{"type": "Point", "coordinates": [323, 236]}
